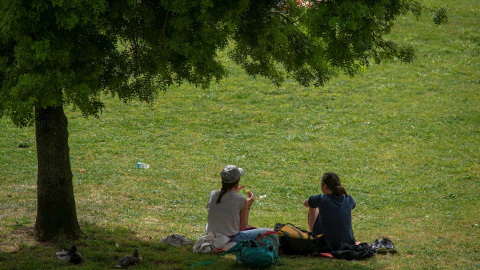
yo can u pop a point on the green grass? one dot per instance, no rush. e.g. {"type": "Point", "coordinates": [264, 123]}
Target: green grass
{"type": "Point", "coordinates": [405, 140]}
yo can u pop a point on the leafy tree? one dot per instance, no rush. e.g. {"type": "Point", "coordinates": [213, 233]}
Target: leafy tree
{"type": "Point", "coordinates": [55, 53]}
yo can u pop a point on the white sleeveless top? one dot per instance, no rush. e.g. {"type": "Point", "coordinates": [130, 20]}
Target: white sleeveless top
{"type": "Point", "coordinates": [224, 217]}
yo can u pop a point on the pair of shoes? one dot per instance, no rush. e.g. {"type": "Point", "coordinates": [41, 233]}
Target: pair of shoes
{"type": "Point", "coordinates": [379, 247]}
{"type": "Point", "coordinates": [384, 246]}
{"type": "Point", "coordinates": [176, 240]}
{"type": "Point", "coordinates": [389, 245]}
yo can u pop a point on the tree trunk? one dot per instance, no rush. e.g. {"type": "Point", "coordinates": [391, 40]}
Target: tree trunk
{"type": "Point", "coordinates": [56, 212]}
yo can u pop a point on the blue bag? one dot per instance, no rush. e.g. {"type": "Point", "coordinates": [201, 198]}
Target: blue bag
{"type": "Point", "coordinates": [251, 253]}
{"type": "Point", "coordinates": [255, 254]}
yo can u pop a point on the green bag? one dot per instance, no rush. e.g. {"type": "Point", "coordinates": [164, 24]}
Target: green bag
{"type": "Point", "coordinates": [253, 254]}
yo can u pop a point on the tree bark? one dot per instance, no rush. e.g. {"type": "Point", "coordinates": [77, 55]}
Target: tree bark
{"type": "Point", "coordinates": [56, 212]}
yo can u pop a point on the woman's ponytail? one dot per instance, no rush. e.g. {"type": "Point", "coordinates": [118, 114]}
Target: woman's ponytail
{"type": "Point", "coordinates": [222, 192]}
{"type": "Point", "coordinates": [226, 187]}
{"type": "Point", "coordinates": [333, 183]}
{"type": "Point", "coordinates": [340, 191]}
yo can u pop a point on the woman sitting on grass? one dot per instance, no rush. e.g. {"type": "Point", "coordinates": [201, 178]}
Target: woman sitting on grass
{"type": "Point", "coordinates": [330, 213]}
{"type": "Point", "coordinates": [228, 211]}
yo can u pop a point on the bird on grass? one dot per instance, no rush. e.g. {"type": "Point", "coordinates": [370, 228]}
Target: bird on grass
{"type": "Point", "coordinates": [129, 260]}
{"type": "Point", "coordinates": [71, 255]}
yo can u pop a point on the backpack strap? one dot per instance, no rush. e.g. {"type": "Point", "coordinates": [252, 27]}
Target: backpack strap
{"type": "Point", "coordinates": [266, 233]}
{"type": "Point", "coordinates": [277, 256]}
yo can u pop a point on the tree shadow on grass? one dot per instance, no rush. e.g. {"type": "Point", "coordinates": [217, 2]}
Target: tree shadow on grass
{"type": "Point", "coordinates": [102, 247]}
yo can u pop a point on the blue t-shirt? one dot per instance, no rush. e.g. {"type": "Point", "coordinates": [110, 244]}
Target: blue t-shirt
{"type": "Point", "coordinates": [334, 219]}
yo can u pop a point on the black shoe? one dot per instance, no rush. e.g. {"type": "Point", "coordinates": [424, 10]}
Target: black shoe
{"type": "Point", "coordinates": [388, 244]}
{"type": "Point", "coordinates": [379, 247]}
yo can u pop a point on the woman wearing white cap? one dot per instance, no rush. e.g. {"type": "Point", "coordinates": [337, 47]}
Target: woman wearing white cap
{"type": "Point", "coordinates": [228, 210]}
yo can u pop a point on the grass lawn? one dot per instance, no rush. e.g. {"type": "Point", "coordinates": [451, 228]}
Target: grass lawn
{"type": "Point", "coordinates": [405, 140]}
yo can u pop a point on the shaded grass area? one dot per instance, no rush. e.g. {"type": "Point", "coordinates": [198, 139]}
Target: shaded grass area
{"type": "Point", "coordinates": [405, 140]}
{"type": "Point", "coordinates": [101, 248]}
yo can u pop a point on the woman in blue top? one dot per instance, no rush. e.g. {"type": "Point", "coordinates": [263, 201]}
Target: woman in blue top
{"type": "Point", "coordinates": [330, 213]}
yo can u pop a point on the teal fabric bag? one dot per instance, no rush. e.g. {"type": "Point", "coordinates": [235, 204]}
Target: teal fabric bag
{"type": "Point", "coordinates": [253, 254]}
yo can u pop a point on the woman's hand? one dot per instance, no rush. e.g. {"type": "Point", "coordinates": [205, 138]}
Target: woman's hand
{"type": "Point", "coordinates": [240, 188]}
{"type": "Point", "coordinates": [251, 198]}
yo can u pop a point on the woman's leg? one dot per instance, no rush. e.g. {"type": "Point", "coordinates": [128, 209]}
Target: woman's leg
{"type": "Point", "coordinates": [312, 216]}
{"type": "Point", "coordinates": [248, 235]}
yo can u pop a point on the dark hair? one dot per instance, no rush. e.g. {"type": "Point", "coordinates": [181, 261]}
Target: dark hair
{"type": "Point", "coordinates": [226, 187]}
{"type": "Point", "coordinates": [333, 183]}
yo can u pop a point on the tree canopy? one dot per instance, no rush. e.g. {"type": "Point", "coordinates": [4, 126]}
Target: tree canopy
{"type": "Point", "coordinates": [57, 52]}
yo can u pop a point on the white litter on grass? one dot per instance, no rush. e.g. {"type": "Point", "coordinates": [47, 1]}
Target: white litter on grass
{"type": "Point", "coordinates": [263, 197]}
